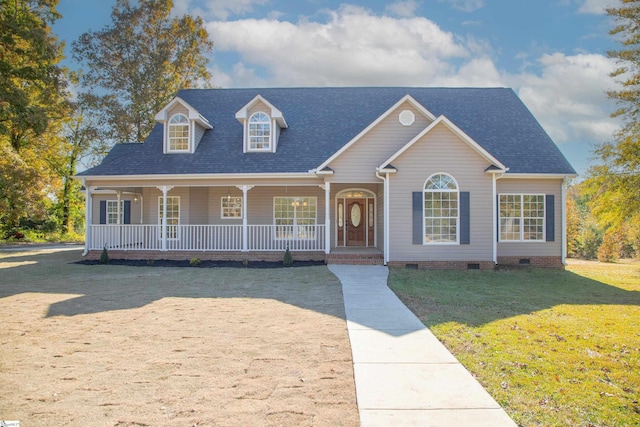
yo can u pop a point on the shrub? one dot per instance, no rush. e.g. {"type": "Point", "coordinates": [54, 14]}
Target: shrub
{"type": "Point", "coordinates": [609, 250]}
{"type": "Point", "coordinates": [194, 262]}
{"type": "Point", "coordinates": [104, 256]}
{"type": "Point", "coordinates": [288, 259]}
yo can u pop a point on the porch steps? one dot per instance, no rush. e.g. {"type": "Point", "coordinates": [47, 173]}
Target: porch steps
{"type": "Point", "coordinates": [355, 258]}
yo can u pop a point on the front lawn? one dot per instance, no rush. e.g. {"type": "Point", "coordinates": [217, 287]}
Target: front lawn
{"type": "Point", "coordinates": [554, 348]}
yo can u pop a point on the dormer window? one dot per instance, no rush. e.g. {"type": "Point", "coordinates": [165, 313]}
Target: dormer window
{"type": "Point", "coordinates": [184, 127]}
{"type": "Point", "coordinates": [259, 132]}
{"type": "Point", "coordinates": [179, 133]}
{"type": "Point", "coordinates": [262, 123]}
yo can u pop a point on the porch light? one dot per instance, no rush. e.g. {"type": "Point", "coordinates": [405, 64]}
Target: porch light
{"type": "Point", "coordinates": [135, 199]}
{"type": "Point", "coordinates": [228, 195]}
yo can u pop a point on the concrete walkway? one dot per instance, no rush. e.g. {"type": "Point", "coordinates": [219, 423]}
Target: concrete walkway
{"type": "Point", "coordinates": [404, 375]}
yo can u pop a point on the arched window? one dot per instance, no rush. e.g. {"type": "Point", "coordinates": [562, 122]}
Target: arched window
{"type": "Point", "coordinates": [441, 209]}
{"type": "Point", "coordinates": [259, 132]}
{"type": "Point", "coordinates": [179, 133]}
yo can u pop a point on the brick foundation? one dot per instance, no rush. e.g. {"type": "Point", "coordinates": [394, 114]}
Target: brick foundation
{"type": "Point", "coordinates": [355, 259]}
{"type": "Point", "coordinates": [444, 265]}
{"type": "Point", "coordinates": [533, 261]}
{"type": "Point", "coordinates": [207, 256]}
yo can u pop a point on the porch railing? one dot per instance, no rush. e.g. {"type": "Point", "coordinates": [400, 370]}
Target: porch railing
{"type": "Point", "coordinates": [208, 237]}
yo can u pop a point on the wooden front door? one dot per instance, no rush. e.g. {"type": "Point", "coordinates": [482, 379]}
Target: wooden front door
{"type": "Point", "coordinates": [356, 222]}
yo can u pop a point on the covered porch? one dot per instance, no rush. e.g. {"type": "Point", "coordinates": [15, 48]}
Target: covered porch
{"type": "Point", "coordinates": [257, 221]}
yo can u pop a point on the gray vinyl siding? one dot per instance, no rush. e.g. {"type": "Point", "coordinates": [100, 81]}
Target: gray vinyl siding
{"type": "Point", "coordinates": [215, 204]}
{"type": "Point", "coordinates": [441, 151]}
{"type": "Point", "coordinates": [199, 133]}
{"type": "Point", "coordinates": [198, 205]}
{"type": "Point", "coordinates": [358, 163]}
{"type": "Point", "coordinates": [534, 186]}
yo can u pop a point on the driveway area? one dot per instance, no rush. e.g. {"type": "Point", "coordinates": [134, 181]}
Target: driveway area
{"type": "Point", "coordinates": [123, 346]}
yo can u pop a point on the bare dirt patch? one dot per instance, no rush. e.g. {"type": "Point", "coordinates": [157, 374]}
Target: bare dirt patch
{"type": "Point", "coordinates": [124, 346]}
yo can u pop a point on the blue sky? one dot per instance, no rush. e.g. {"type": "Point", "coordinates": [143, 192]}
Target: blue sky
{"type": "Point", "coordinates": [551, 52]}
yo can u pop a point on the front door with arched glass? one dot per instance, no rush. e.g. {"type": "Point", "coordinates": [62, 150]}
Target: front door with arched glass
{"type": "Point", "coordinates": [355, 218]}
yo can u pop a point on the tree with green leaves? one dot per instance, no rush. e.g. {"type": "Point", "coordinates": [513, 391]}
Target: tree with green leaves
{"type": "Point", "coordinates": [613, 185]}
{"type": "Point", "coordinates": [32, 84]}
{"type": "Point", "coordinates": [33, 100]}
{"type": "Point", "coordinates": [135, 65]}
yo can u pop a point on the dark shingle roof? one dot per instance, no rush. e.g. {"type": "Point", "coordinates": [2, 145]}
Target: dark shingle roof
{"type": "Point", "coordinates": [322, 120]}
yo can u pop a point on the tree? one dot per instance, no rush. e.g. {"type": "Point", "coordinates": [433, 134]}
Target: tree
{"type": "Point", "coordinates": [32, 101]}
{"type": "Point", "coordinates": [79, 134]}
{"type": "Point", "coordinates": [135, 65]}
{"type": "Point", "coordinates": [613, 185]}
{"type": "Point", "coordinates": [32, 84]}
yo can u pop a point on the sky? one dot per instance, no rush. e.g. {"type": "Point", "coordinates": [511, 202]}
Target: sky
{"type": "Point", "coordinates": [552, 53]}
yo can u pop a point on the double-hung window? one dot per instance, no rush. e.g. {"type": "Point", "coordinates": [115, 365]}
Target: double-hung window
{"type": "Point", "coordinates": [173, 215]}
{"type": "Point", "coordinates": [441, 209]}
{"type": "Point", "coordinates": [295, 217]}
{"type": "Point", "coordinates": [231, 207]}
{"type": "Point", "coordinates": [522, 217]}
{"type": "Point", "coordinates": [112, 212]}
{"type": "Point", "coordinates": [260, 132]}
{"type": "Point", "coordinates": [179, 133]}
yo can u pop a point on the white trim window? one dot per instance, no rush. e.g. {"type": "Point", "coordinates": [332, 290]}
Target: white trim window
{"type": "Point", "coordinates": [295, 217]}
{"type": "Point", "coordinates": [441, 211]}
{"type": "Point", "coordinates": [112, 212]}
{"type": "Point", "coordinates": [231, 207]}
{"type": "Point", "coordinates": [522, 217]}
{"type": "Point", "coordinates": [260, 132]}
{"type": "Point", "coordinates": [173, 215]}
{"type": "Point", "coordinates": [178, 133]}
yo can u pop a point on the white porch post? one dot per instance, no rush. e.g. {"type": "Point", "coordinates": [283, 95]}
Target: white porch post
{"type": "Point", "coordinates": [88, 217]}
{"type": "Point", "coordinates": [163, 224]}
{"type": "Point", "coordinates": [119, 211]}
{"type": "Point", "coordinates": [245, 235]}
{"type": "Point", "coordinates": [327, 217]}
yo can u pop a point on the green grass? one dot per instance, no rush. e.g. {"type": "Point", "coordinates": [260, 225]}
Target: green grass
{"type": "Point", "coordinates": [554, 348]}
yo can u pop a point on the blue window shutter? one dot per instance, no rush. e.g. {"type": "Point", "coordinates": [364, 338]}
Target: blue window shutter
{"type": "Point", "coordinates": [418, 217]}
{"type": "Point", "coordinates": [465, 219]}
{"type": "Point", "coordinates": [103, 211]}
{"type": "Point", "coordinates": [127, 212]}
{"type": "Point", "coordinates": [550, 217]}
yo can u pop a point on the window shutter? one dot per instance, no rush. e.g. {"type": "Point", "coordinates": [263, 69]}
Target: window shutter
{"type": "Point", "coordinates": [549, 217]}
{"type": "Point", "coordinates": [127, 212]}
{"type": "Point", "coordinates": [465, 219]}
{"type": "Point", "coordinates": [418, 217]}
{"type": "Point", "coordinates": [103, 211]}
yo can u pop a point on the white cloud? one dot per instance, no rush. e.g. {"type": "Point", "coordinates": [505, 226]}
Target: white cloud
{"type": "Point", "coordinates": [404, 9]}
{"type": "Point", "coordinates": [595, 7]}
{"type": "Point", "coordinates": [465, 5]}
{"type": "Point", "coordinates": [569, 96]}
{"type": "Point", "coordinates": [353, 47]}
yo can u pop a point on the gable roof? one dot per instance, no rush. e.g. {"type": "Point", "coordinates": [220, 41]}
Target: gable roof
{"type": "Point", "coordinates": [453, 128]}
{"type": "Point", "coordinates": [276, 114]}
{"type": "Point", "coordinates": [322, 120]}
{"type": "Point", "coordinates": [162, 115]}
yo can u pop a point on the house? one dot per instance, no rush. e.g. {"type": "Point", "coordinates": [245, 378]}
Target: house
{"type": "Point", "coordinates": [427, 177]}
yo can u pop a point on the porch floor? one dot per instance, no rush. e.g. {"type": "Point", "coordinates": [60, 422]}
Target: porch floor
{"type": "Point", "coordinates": [355, 255]}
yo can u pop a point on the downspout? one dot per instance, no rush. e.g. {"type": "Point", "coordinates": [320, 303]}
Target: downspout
{"type": "Point", "coordinates": [563, 239]}
{"type": "Point", "coordinates": [385, 181]}
{"type": "Point", "coordinates": [494, 237]}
